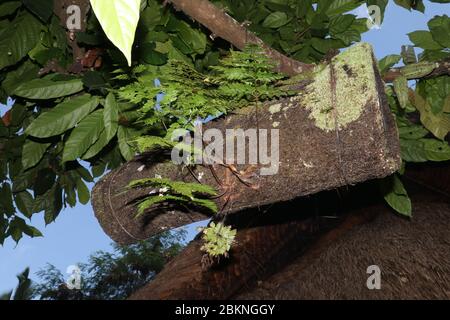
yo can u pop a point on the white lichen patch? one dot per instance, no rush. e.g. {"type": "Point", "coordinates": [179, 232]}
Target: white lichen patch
{"type": "Point", "coordinates": [275, 108]}
{"type": "Point", "coordinates": [318, 100]}
{"type": "Point", "coordinates": [355, 86]}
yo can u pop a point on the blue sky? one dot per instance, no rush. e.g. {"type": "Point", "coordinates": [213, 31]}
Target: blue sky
{"type": "Point", "coordinates": [76, 233]}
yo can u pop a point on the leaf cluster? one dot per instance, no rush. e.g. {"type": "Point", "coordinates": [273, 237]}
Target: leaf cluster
{"type": "Point", "coordinates": [428, 99]}
{"type": "Point", "coordinates": [218, 239]}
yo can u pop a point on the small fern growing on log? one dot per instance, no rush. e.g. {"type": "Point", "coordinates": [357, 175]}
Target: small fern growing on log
{"type": "Point", "coordinates": [168, 191]}
{"type": "Point", "coordinates": [218, 240]}
{"type": "Point", "coordinates": [247, 77]}
{"type": "Point", "coordinates": [185, 95]}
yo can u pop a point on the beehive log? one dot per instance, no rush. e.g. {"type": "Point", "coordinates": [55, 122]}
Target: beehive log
{"type": "Point", "coordinates": [323, 258]}
{"type": "Point", "coordinates": [337, 131]}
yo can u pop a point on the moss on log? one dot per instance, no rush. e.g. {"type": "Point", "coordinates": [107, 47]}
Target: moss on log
{"type": "Point", "coordinates": [337, 131]}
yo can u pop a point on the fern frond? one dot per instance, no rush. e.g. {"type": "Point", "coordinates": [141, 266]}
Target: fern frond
{"type": "Point", "coordinates": [218, 239]}
{"type": "Point", "coordinates": [175, 191]}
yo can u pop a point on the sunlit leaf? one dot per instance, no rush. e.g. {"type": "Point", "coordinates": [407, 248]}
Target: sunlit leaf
{"type": "Point", "coordinates": [119, 19]}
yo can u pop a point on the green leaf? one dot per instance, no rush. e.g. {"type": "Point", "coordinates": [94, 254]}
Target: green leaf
{"type": "Point", "coordinates": [440, 30]}
{"type": "Point", "coordinates": [396, 195]}
{"type": "Point", "coordinates": [149, 55]}
{"type": "Point", "coordinates": [111, 116]}
{"type": "Point", "coordinates": [83, 136]}
{"type": "Point", "coordinates": [70, 194]}
{"type": "Point", "coordinates": [411, 4]}
{"type": "Point", "coordinates": [17, 227]}
{"type": "Point", "coordinates": [125, 135]}
{"type": "Point", "coordinates": [325, 45]}
{"type": "Point", "coordinates": [412, 132]}
{"type": "Point", "coordinates": [32, 232]}
{"type": "Point", "coordinates": [44, 181]}
{"type": "Point", "coordinates": [94, 80]}
{"type": "Point", "coordinates": [424, 40]}
{"type": "Point", "coordinates": [439, 124]}
{"type": "Point", "coordinates": [22, 181]}
{"type": "Point", "coordinates": [436, 150]}
{"type": "Point", "coordinates": [9, 8]}
{"type": "Point", "coordinates": [63, 117]}
{"type": "Point", "coordinates": [15, 231]}
{"type": "Point", "coordinates": [52, 204]}
{"type": "Point", "coordinates": [41, 8]}
{"type": "Point", "coordinates": [18, 113]}
{"type": "Point", "coordinates": [337, 7]}
{"type": "Point", "coordinates": [194, 39]}
{"type": "Point", "coordinates": [98, 169]}
{"type": "Point", "coordinates": [25, 203]}
{"type": "Point", "coordinates": [424, 150]}
{"type": "Point", "coordinates": [151, 201]}
{"type": "Point", "coordinates": [341, 23]}
{"type": "Point", "coordinates": [84, 174]}
{"type": "Point", "coordinates": [276, 20]}
{"type": "Point", "coordinates": [401, 90]}
{"type": "Point", "coordinates": [32, 153]}
{"type": "Point", "coordinates": [388, 62]}
{"type": "Point", "coordinates": [436, 92]}
{"type": "Point", "coordinates": [6, 203]}
{"type": "Point", "coordinates": [349, 36]}
{"type": "Point", "coordinates": [26, 72]}
{"type": "Point", "coordinates": [119, 19]}
{"type": "Point", "coordinates": [83, 192]}
{"type": "Point", "coordinates": [21, 36]}
{"type": "Point", "coordinates": [43, 89]}
{"type": "Point", "coordinates": [97, 147]}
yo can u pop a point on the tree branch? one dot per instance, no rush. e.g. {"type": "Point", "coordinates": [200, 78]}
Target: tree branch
{"type": "Point", "coordinates": [227, 28]}
{"type": "Point", "coordinates": [442, 69]}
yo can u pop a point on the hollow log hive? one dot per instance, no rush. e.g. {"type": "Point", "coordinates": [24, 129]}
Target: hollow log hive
{"type": "Point", "coordinates": [337, 131]}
